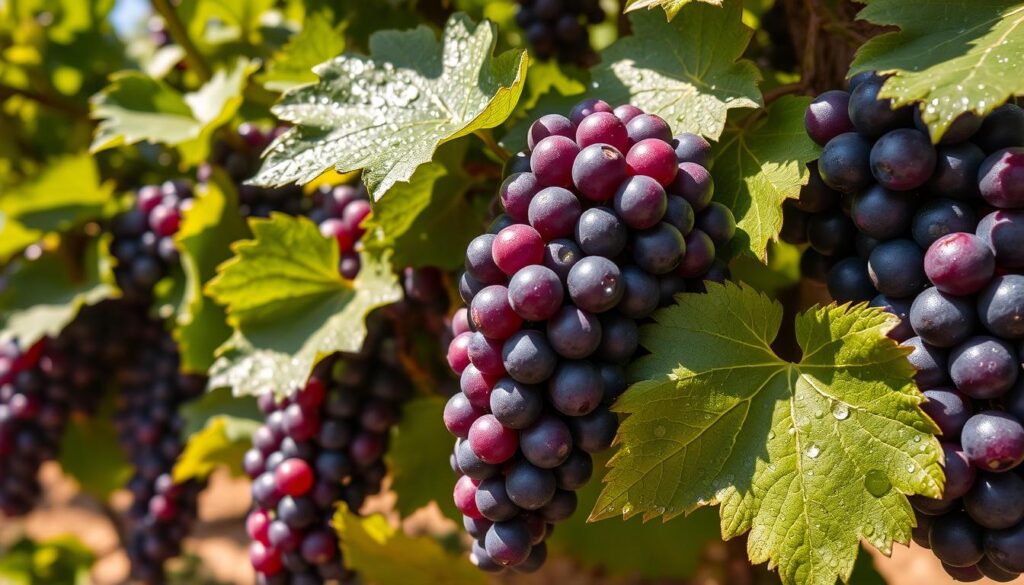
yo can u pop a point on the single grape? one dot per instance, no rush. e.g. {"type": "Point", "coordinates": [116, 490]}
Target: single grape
{"type": "Point", "coordinates": [470, 465]}
{"type": "Point", "coordinates": [603, 128]}
{"type": "Point", "coordinates": [872, 116]}
{"type": "Point", "coordinates": [552, 161]}
{"type": "Point", "coordinates": [692, 148]}
{"type": "Point", "coordinates": [620, 338]}
{"type": "Point", "coordinates": [717, 221]}
{"type": "Point", "coordinates": [1003, 231]}
{"type": "Point", "coordinates": [492, 314]}
{"type": "Point", "coordinates": [574, 333]}
{"type": "Point", "coordinates": [594, 432]}
{"type": "Point", "coordinates": [561, 507]}
{"type": "Point", "coordinates": [895, 268]}
{"type": "Point", "coordinates": [515, 247]}
{"type": "Point", "coordinates": [860, 78]}
{"type": "Point", "coordinates": [1005, 548]}
{"type": "Point", "coordinates": [516, 192]}
{"type": "Point", "coordinates": [997, 500]}
{"type": "Point", "coordinates": [940, 217]}
{"type": "Point", "coordinates": [828, 116]}
{"type": "Point", "coordinates": [949, 409]}
{"type": "Point", "coordinates": [477, 386]}
{"type": "Point", "coordinates": [530, 487]}
{"type": "Point", "coordinates": [547, 442]}
{"type": "Point", "coordinates": [1002, 128]}
{"type": "Point", "coordinates": [849, 282]}
{"type": "Point", "coordinates": [641, 202]}
{"type": "Point", "coordinates": [700, 254]}
{"type": "Point", "coordinates": [941, 319]}
{"type": "Point", "coordinates": [1001, 306]}
{"type": "Point", "coordinates": [465, 497]}
{"type": "Point", "coordinates": [508, 543]}
{"type": "Point", "coordinates": [994, 572]}
{"type": "Point", "coordinates": [485, 355]}
{"type": "Point", "coordinates": [595, 284]}
{"type": "Point", "coordinates": [516, 405]}
{"type": "Point", "coordinates": [627, 112]}
{"type": "Point", "coordinates": [903, 159]}
{"type": "Point", "coordinates": [993, 441]}
{"type": "Point", "coordinates": [598, 171]}
{"type": "Point", "coordinates": [900, 308]}
{"type": "Point", "coordinates": [575, 472]}
{"type": "Point", "coordinates": [528, 358]}
{"type": "Point", "coordinates": [641, 292]}
{"type": "Point", "coordinates": [458, 352]}
{"type": "Point", "coordinates": [575, 388]}
{"type": "Point", "coordinates": [960, 475]}
{"type": "Point", "coordinates": [561, 255]}
{"type": "Point", "coordinates": [517, 163]}
{"type": "Point", "coordinates": [553, 213]}
{"type": "Point", "coordinates": [459, 415]}
{"type": "Point", "coordinates": [493, 501]}
{"type": "Point", "coordinates": [831, 233]}
{"type": "Point", "coordinates": [845, 164]}
{"type": "Point", "coordinates": [648, 126]}
{"type": "Point", "coordinates": [549, 125]}
{"type": "Point", "coordinates": [658, 250]}
{"type": "Point", "coordinates": [1000, 178]}
{"type": "Point", "coordinates": [586, 108]}
{"type": "Point", "coordinates": [480, 263]}
{"type": "Point", "coordinates": [653, 158]}
{"type": "Point", "coordinates": [535, 293]}
{"type": "Point", "coordinates": [929, 362]}
{"type": "Point", "coordinates": [959, 263]}
{"type": "Point", "coordinates": [293, 477]}
{"type": "Point", "coordinates": [694, 184]}
{"type": "Point", "coordinates": [491, 441]}
{"type": "Point", "coordinates": [882, 214]}
{"type": "Point", "coordinates": [956, 540]}
{"type": "Point", "coordinates": [983, 367]}
{"type": "Point", "coordinates": [600, 232]}
{"type": "Point", "coordinates": [956, 171]}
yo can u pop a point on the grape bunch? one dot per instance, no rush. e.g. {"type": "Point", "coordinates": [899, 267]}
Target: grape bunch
{"type": "Point", "coordinates": [40, 388]}
{"type": "Point", "coordinates": [606, 218]}
{"type": "Point", "coordinates": [558, 28]}
{"type": "Point", "coordinates": [149, 426]}
{"type": "Point", "coordinates": [321, 444]}
{"type": "Point", "coordinates": [143, 243]}
{"type": "Point", "coordinates": [935, 235]}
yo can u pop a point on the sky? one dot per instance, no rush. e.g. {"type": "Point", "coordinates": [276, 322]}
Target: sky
{"type": "Point", "coordinates": [129, 16]}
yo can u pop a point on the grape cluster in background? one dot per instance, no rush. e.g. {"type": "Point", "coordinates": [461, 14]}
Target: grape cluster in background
{"type": "Point", "coordinates": [606, 217]}
{"type": "Point", "coordinates": [557, 29]}
{"type": "Point", "coordinates": [935, 235]}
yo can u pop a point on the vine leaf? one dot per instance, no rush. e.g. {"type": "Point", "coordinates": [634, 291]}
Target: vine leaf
{"type": "Point", "coordinates": [66, 194]}
{"type": "Point", "coordinates": [289, 305]}
{"type": "Point", "coordinates": [808, 457]}
{"type": "Point", "coordinates": [427, 221]}
{"type": "Point", "coordinates": [219, 427]}
{"type": "Point", "coordinates": [418, 443]}
{"type": "Point", "coordinates": [759, 163]}
{"type": "Point", "coordinates": [43, 295]}
{"type": "Point", "coordinates": [672, 7]}
{"type": "Point", "coordinates": [387, 113]}
{"type": "Point", "coordinates": [318, 41]}
{"type": "Point", "coordinates": [962, 57]}
{"type": "Point", "coordinates": [382, 554]}
{"type": "Point", "coordinates": [91, 454]}
{"type": "Point", "coordinates": [63, 559]}
{"type": "Point", "coordinates": [136, 108]}
{"type": "Point", "coordinates": [688, 71]}
{"type": "Point", "coordinates": [206, 233]}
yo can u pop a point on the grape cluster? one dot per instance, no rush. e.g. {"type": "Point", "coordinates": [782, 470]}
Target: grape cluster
{"type": "Point", "coordinates": [322, 444]}
{"type": "Point", "coordinates": [143, 243]}
{"type": "Point", "coordinates": [40, 388]}
{"type": "Point", "coordinates": [606, 218]}
{"type": "Point", "coordinates": [558, 28]}
{"type": "Point", "coordinates": [935, 235]}
{"type": "Point", "coordinates": [149, 427]}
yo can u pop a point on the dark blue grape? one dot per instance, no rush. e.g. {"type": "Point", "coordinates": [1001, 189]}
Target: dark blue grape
{"type": "Point", "coordinates": [529, 486]}
{"type": "Point", "coordinates": [849, 282]}
{"type": "Point", "coordinates": [599, 232]}
{"type": "Point", "coordinates": [896, 268]}
{"type": "Point", "coordinates": [516, 405]}
{"type": "Point", "coordinates": [574, 333]}
{"type": "Point", "coordinates": [942, 320]}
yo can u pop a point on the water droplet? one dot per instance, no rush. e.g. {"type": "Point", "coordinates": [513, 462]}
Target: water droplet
{"type": "Point", "coordinates": [819, 413]}
{"type": "Point", "coordinates": [917, 438]}
{"type": "Point", "coordinates": [771, 435]}
{"type": "Point", "coordinates": [876, 482]}
{"type": "Point", "coordinates": [911, 468]}
{"type": "Point", "coordinates": [813, 451]}
{"type": "Point", "coordinates": [840, 411]}
{"type": "Point", "coordinates": [627, 509]}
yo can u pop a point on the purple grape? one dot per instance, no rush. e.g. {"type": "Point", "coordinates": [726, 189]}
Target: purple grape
{"type": "Point", "coordinates": [485, 354]}
{"type": "Point", "coordinates": [942, 320]}
{"type": "Point", "coordinates": [553, 213]}
{"type": "Point", "coordinates": [679, 214]}
{"type": "Point", "coordinates": [903, 159]}
{"type": "Point", "coordinates": [594, 432]}
{"type": "Point", "coordinates": [648, 126]}
{"type": "Point", "coordinates": [586, 108]}
{"type": "Point", "coordinates": [692, 148]}
{"type": "Point", "coordinates": [848, 281]}
{"type": "Point", "coordinates": [516, 192]}
{"type": "Point", "coordinates": [653, 158]}
{"type": "Point", "coordinates": [508, 543]}
{"type": "Point", "coordinates": [959, 263]}
{"type": "Point", "coordinates": [575, 472]}
{"type": "Point", "coordinates": [718, 222]}
{"type": "Point", "coordinates": [575, 388]}
{"type": "Point", "coordinates": [658, 250]}
{"type": "Point", "coordinates": [1001, 178]}
{"type": "Point", "coordinates": [960, 475]}
{"type": "Point", "coordinates": [881, 213]}
{"type": "Point", "coordinates": [549, 125]}
{"type": "Point", "coordinates": [845, 164]}
{"type": "Point", "coordinates": [574, 333]}
{"type": "Point", "coordinates": [941, 217]}
{"type": "Point", "coordinates": [491, 441]}
{"type": "Point", "coordinates": [552, 161]}
{"type": "Point", "coordinates": [1003, 232]}
{"type": "Point", "coordinates": [516, 405]}
{"type": "Point", "coordinates": [528, 358]}
{"type": "Point", "coordinates": [480, 263]}
{"type": "Point", "coordinates": [956, 540]}
{"type": "Point", "coordinates": [895, 268]}
{"type": "Point", "coordinates": [1005, 548]}
{"type": "Point", "coordinates": [1001, 306]}
{"type": "Point", "coordinates": [641, 202]}
{"type": "Point", "coordinates": [962, 128]}
{"type": "Point", "coordinates": [994, 572]}
{"type": "Point", "coordinates": [956, 171]}
{"type": "Point", "coordinates": [529, 486]}
{"type": "Point", "coordinates": [547, 442]}
{"type": "Point", "coordinates": [561, 255]}
{"type": "Point", "coordinates": [620, 338]}
{"type": "Point", "coordinates": [949, 409]}
{"type": "Point", "coordinates": [595, 284]}
{"type": "Point", "coordinates": [828, 116]}
{"type": "Point", "coordinates": [493, 501]}
{"type": "Point", "coordinates": [535, 293]}
{"type": "Point", "coordinates": [516, 247]}
{"type": "Point", "coordinates": [627, 112]}
{"type": "Point", "coordinates": [603, 128]}
{"type": "Point", "coordinates": [599, 232]}
{"type": "Point", "coordinates": [831, 233]}
{"type": "Point", "coordinates": [694, 184]}
{"type": "Point", "coordinates": [492, 314]}
{"type": "Point", "coordinates": [929, 362]}
{"type": "Point", "coordinates": [816, 196]}
{"type": "Point", "coordinates": [997, 500]}
{"type": "Point", "coordinates": [983, 367]}
{"type": "Point", "coordinates": [900, 308]}
{"type": "Point", "coordinates": [993, 441]}
{"type": "Point", "coordinates": [700, 253]}
{"type": "Point", "coordinates": [872, 116]}
{"type": "Point", "coordinates": [598, 171]}
{"type": "Point", "coordinates": [1003, 128]}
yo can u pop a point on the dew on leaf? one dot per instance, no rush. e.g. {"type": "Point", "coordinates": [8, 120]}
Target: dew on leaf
{"type": "Point", "coordinates": [813, 451]}
{"type": "Point", "coordinates": [876, 482]}
{"type": "Point", "coordinates": [840, 411]}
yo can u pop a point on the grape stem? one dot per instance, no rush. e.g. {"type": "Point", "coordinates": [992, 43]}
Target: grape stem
{"type": "Point", "coordinates": [177, 31]}
{"type": "Point", "coordinates": [492, 145]}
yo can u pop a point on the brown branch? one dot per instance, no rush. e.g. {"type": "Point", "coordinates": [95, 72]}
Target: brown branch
{"type": "Point", "coordinates": [49, 101]}
{"type": "Point", "coordinates": [776, 92]}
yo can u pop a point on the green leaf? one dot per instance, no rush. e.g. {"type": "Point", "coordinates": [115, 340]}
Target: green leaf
{"type": "Point", "coordinates": [808, 457]}
{"type": "Point", "coordinates": [67, 193]}
{"type": "Point", "coordinates": [219, 427]}
{"type": "Point", "coordinates": [383, 555]}
{"type": "Point", "coordinates": [954, 56]}
{"type": "Point", "coordinates": [761, 162]}
{"type": "Point", "coordinates": [91, 454]}
{"type": "Point", "coordinates": [387, 113]}
{"type": "Point", "coordinates": [672, 7]}
{"type": "Point", "coordinates": [206, 233]}
{"type": "Point", "coordinates": [681, 71]}
{"type": "Point", "coordinates": [418, 442]}
{"type": "Point", "coordinates": [45, 294]}
{"type": "Point", "coordinates": [427, 221]}
{"type": "Point", "coordinates": [318, 41]}
{"type": "Point", "coordinates": [780, 272]}
{"type": "Point", "coordinates": [662, 550]}
{"type": "Point", "coordinates": [290, 306]}
{"type": "Point", "coordinates": [61, 560]}
{"type": "Point", "coordinates": [136, 108]}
